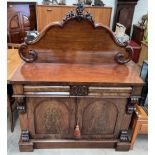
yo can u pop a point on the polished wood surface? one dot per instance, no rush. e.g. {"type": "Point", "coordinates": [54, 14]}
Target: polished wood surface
{"type": "Point", "coordinates": [74, 41]}
{"type": "Point", "coordinates": [139, 124]}
{"type": "Point", "coordinates": [76, 88]}
{"type": "Point", "coordinates": [77, 73]}
{"type": "Point", "coordinates": [47, 14]}
{"type": "Point", "coordinates": [13, 62]}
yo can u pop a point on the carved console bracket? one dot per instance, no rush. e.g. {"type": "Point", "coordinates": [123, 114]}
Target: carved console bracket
{"type": "Point", "coordinates": [80, 14]}
{"type": "Point", "coordinates": [78, 90]}
{"type": "Point", "coordinates": [124, 136]}
{"type": "Point", "coordinates": [25, 136]}
{"type": "Point", "coordinates": [123, 58]}
{"type": "Point", "coordinates": [26, 54]}
{"type": "Point", "coordinates": [131, 104]}
{"type": "Point", "coordinates": [21, 107]}
{"type": "Point", "coordinates": [123, 144]}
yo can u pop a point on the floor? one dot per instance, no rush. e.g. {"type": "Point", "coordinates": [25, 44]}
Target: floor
{"type": "Point", "coordinates": [140, 148]}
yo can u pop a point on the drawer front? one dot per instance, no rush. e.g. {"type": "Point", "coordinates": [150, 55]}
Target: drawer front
{"type": "Point", "coordinates": [78, 90]}
{"type": "Point", "coordinates": [110, 91]}
{"type": "Point", "coordinates": [47, 90]}
{"type": "Point", "coordinates": [100, 91]}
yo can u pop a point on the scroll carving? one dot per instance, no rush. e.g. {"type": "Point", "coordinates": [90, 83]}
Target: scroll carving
{"type": "Point", "coordinates": [80, 14]}
{"type": "Point", "coordinates": [78, 90]}
{"type": "Point", "coordinates": [25, 136]}
{"type": "Point", "coordinates": [27, 55]}
{"type": "Point", "coordinates": [21, 107]}
{"type": "Point", "coordinates": [131, 104]}
{"type": "Point", "coordinates": [121, 58]}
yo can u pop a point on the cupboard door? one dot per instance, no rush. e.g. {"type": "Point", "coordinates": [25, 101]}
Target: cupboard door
{"type": "Point", "coordinates": [51, 117]}
{"type": "Point", "coordinates": [100, 118]}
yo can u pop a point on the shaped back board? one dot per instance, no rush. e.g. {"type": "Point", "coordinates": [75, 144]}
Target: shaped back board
{"type": "Point", "coordinates": [77, 39]}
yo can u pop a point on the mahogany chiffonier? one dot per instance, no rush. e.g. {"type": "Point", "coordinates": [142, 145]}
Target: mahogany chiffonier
{"type": "Point", "coordinates": [76, 88]}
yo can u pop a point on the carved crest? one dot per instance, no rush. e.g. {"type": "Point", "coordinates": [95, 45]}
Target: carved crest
{"type": "Point", "coordinates": [80, 14]}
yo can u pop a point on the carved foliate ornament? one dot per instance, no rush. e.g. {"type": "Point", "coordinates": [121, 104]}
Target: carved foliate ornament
{"type": "Point", "coordinates": [21, 106]}
{"type": "Point", "coordinates": [79, 14]}
{"type": "Point", "coordinates": [124, 137]}
{"type": "Point", "coordinates": [131, 104]}
{"type": "Point", "coordinates": [78, 90]}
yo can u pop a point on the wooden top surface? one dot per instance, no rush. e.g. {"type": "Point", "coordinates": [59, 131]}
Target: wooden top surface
{"type": "Point", "coordinates": [76, 50]}
{"type": "Point", "coordinates": [13, 61]}
{"type": "Point", "coordinates": [65, 73]}
{"type": "Point", "coordinates": [141, 114]}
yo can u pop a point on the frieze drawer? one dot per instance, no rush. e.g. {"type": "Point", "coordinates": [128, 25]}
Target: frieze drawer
{"type": "Point", "coordinates": [110, 91]}
{"type": "Point", "coordinates": [78, 90]}
{"type": "Point", "coordinates": [46, 90]}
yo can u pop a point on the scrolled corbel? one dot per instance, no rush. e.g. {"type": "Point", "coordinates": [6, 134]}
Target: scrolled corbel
{"type": "Point", "coordinates": [131, 104]}
{"type": "Point", "coordinates": [21, 106]}
{"type": "Point", "coordinates": [124, 137]}
{"type": "Point", "coordinates": [122, 58]}
{"type": "Point", "coordinates": [27, 55]}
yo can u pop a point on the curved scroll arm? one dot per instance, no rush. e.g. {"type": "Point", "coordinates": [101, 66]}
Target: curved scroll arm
{"type": "Point", "coordinates": [121, 58]}
{"type": "Point", "coordinates": [28, 56]}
